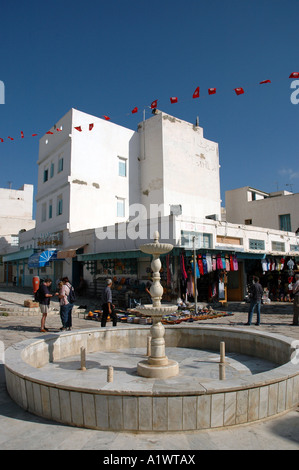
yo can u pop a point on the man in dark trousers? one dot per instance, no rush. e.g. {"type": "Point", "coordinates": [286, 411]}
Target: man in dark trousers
{"type": "Point", "coordinates": [107, 305]}
{"type": "Point", "coordinates": [256, 294]}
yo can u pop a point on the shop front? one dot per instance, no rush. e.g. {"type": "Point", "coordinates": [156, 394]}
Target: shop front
{"type": "Point", "coordinates": [276, 273]}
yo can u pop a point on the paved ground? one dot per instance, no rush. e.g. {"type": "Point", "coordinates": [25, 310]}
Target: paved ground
{"type": "Point", "coordinates": [21, 430]}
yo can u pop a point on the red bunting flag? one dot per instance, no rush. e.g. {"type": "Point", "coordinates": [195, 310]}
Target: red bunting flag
{"type": "Point", "coordinates": [173, 100]}
{"type": "Point", "coordinates": [196, 93]}
{"type": "Point", "coordinates": [10, 138]}
{"type": "Point", "coordinates": [49, 132]}
{"type": "Point", "coordinates": [91, 126]}
{"type": "Point", "coordinates": [212, 91]}
{"type": "Point", "coordinates": [239, 91]}
{"type": "Point", "coordinates": [1, 140]}
{"type": "Point", "coordinates": [135, 110]}
{"type": "Point", "coordinates": [154, 104]}
{"type": "Point", "coordinates": [22, 134]}
{"type": "Point", "coordinates": [58, 130]}
{"type": "Point", "coordinates": [107, 118]}
{"type": "Point", "coordinates": [294, 75]}
{"type": "Point", "coordinates": [265, 81]}
{"type": "Point", "coordinates": [78, 128]}
{"type": "Point", "coordinates": [33, 135]}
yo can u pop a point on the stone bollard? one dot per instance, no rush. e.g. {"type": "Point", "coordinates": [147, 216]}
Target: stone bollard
{"type": "Point", "coordinates": [110, 374]}
{"type": "Point", "coordinates": [149, 339]}
{"type": "Point", "coordinates": [83, 358]}
{"type": "Point", "coordinates": [221, 371]}
{"type": "Point", "coordinates": [222, 361]}
{"type": "Point", "coordinates": [222, 352]}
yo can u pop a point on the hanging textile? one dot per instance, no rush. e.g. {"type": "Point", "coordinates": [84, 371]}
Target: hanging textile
{"type": "Point", "coordinates": [204, 263]}
{"type": "Point", "coordinates": [219, 262]}
{"type": "Point", "coordinates": [214, 263]}
{"type": "Point", "coordinates": [223, 262]}
{"type": "Point", "coordinates": [227, 263]}
{"type": "Point", "coordinates": [200, 264]}
{"type": "Point", "coordinates": [209, 263]}
{"type": "Point", "coordinates": [196, 267]}
{"type": "Point", "coordinates": [235, 263]}
{"type": "Point", "coordinates": [183, 270]}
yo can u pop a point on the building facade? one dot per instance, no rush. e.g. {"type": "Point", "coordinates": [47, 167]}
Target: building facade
{"type": "Point", "coordinates": [102, 192]}
{"type": "Point", "coordinates": [16, 212]}
{"type": "Point", "coordinates": [277, 210]}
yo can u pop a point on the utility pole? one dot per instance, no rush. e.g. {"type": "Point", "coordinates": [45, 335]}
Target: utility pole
{"type": "Point", "coordinates": [195, 277]}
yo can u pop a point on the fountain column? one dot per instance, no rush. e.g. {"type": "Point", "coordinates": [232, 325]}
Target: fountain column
{"type": "Point", "coordinates": [157, 365]}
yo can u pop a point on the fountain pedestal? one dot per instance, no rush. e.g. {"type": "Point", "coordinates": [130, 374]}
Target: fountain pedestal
{"type": "Point", "coordinates": [157, 365]}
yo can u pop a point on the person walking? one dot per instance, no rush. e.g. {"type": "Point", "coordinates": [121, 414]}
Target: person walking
{"type": "Point", "coordinates": [107, 305]}
{"type": "Point", "coordinates": [66, 306]}
{"type": "Point", "coordinates": [296, 300]}
{"type": "Point", "coordinates": [44, 302]}
{"type": "Point", "coordinates": [256, 293]}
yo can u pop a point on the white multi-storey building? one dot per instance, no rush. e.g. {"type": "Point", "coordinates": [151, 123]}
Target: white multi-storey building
{"type": "Point", "coordinates": [15, 215]}
{"type": "Point", "coordinates": [104, 189]}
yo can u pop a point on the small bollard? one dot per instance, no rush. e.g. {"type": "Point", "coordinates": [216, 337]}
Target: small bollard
{"type": "Point", "coordinates": [110, 374]}
{"type": "Point", "coordinates": [222, 352]}
{"type": "Point", "coordinates": [222, 361]}
{"type": "Point", "coordinates": [148, 352]}
{"type": "Point", "coordinates": [221, 371]}
{"type": "Point", "coordinates": [83, 358]}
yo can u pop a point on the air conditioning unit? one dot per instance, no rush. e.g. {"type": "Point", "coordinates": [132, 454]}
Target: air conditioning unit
{"type": "Point", "coordinates": [176, 209]}
{"type": "Point", "coordinates": [212, 217]}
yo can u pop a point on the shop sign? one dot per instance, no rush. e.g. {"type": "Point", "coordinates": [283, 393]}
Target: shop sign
{"type": "Point", "coordinates": [49, 240]}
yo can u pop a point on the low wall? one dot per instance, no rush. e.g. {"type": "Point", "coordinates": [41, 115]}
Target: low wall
{"type": "Point", "coordinates": [160, 407]}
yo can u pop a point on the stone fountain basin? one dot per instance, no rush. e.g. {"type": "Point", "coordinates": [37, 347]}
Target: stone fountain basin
{"type": "Point", "coordinates": [156, 248]}
{"type": "Point", "coordinates": [132, 403]}
{"type": "Point", "coordinates": [156, 312]}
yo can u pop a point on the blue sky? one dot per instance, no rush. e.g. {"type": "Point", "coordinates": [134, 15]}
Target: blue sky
{"type": "Point", "coordinates": [105, 58]}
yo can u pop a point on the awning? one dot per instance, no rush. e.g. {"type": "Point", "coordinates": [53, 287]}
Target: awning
{"type": "Point", "coordinates": [113, 255]}
{"type": "Point", "coordinates": [69, 252]}
{"type": "Point", "coordinates": [18, 255]}
{"type": "Point", "coordinates": [41, 259]}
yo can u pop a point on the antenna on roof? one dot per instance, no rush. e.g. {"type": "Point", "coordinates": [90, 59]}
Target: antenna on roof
{"type": "Point", "coordinates": [197, 121]}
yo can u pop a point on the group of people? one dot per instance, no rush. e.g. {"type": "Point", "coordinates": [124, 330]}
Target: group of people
{"type": "Point", "coordinates": [63, 293]}
{"type": "Point", "coordinates": [256, 295]}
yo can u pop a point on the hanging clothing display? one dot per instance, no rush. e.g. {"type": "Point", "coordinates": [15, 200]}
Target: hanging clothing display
{"type": "Point", "coordinates": [183, 270]}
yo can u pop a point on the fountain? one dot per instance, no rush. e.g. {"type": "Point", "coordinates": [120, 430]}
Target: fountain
{"type": "Point", "coordinates": [157, 365]}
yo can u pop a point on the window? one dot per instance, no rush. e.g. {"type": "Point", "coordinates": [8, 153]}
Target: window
{"type": "Point", "coordinates": [52, 170]}
{"type": "Point", "coordinates": [202, 240]}
{"type": "Point", "coordinates": [44, 210]}
{"type": "Point", "coordinates": [60, 165]}
{"type": "Point", "coordinates": [278, 246]}
{"type": "Point", "coordinates": [59, 205]}
{"type": "Point", "coordinates": [46, 175]}
{"type": "Point", "coordinates": [14, 240]}
{"type": "Point", "coordinates": [285, 222]}
{"type": "Point", "coordinates": [122, 167]}
{"type": "Point", "coordinates": [294, 247]}
{"type": "Point", "coordinates": [120, 207]}
{"type": "Point", "coordinates": [248, 221]}
{"type": "Point", "coordinates": [50, 209]}
{"type": "Point", "coordinates": [256, 244]}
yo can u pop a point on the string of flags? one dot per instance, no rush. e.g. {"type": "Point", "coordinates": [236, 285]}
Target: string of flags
{"type": "Point", "coordinates": [154, 104]}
